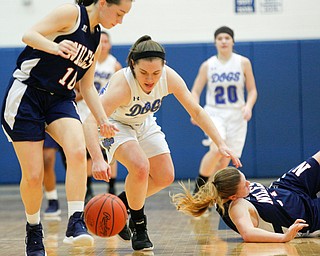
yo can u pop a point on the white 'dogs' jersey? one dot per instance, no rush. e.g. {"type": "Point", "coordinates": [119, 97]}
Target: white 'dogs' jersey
{"type": "Point", "coordinates": [141, 104]}
{"type": "Point", "coordinates": [226, 81]}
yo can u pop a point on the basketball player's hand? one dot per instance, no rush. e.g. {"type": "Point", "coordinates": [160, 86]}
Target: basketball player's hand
{"type": "Point", "coordinates": [67, 49]}
{"type": "Point", "coordinates": [294, 229]}
{"type": "Point", "coordinates": [246, 113]}
{"type": "Point", "coordinates": [101, 170]}
{"type": "Point", "coordinates": [107, 129]}
{"type": "Point", "coordinates": [225, 151]}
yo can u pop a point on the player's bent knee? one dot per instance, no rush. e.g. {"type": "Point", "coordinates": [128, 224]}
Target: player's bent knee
{"type": "Point", "coordinates": [165, 180]}
{"type": "Point", "coordinates": [141, 171]}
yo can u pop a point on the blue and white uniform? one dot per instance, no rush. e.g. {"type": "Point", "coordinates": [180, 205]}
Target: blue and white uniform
{"type": "Point", "coordinates": [104, 71]}
{"type": "Point", "coordinates": [136, 120]}
{"type": "Point", "coordinates": [41, 89]}
{"type": "Point", "coordinates": [293, 196]}
{"type": "Point", "coordinates": [225, 99]}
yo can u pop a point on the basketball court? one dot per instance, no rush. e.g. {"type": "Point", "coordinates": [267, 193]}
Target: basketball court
{"type": "Point", "coordinates": [172, 233]}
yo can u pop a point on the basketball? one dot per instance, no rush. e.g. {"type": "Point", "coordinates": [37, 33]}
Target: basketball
{"type": "Point", "coordinates": [105, 215]}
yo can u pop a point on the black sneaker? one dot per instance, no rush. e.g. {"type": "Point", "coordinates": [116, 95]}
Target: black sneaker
{"type": "Point", "coordinates": [140, 239]}
{"type": "Point", "coordinates": [125, 234]}
{"type": "Point", "coordinates": [77, 233]}
{"type": "Point", "coordinates": [53, 209]}
{"type": "Point", "coordinates": [34, 240]}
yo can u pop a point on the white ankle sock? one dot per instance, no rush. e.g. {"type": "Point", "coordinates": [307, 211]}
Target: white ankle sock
{"type": "Point", "coordinates": [75, 206]}
{"type": "Point", "coordinates": [33, 219]}
{"type": "Point", "coordinates": [51, 195]}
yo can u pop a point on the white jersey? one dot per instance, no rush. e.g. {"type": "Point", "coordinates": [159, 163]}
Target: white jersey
{"type": "Point", "coordinates": [141, 104]}
{"type": "Point", "coordinates": [104, 71]}
{"type": "Point", "coordinates": [226, 81]}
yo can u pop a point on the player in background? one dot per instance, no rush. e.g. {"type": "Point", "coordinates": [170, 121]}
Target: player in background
{"type": "Point", "coordinates": [227, 76]}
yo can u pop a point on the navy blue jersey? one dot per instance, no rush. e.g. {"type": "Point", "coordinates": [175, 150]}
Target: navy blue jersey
{"type": "Point", "coordinates": [291, 197]}
{"type": "Point", "coordinates": [54, 73]}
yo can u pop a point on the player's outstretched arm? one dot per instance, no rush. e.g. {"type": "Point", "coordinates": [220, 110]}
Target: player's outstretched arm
{"type": "Point", "coordinates": [240, 215]}
{"type": "Point", "coordinates": [100, 168]}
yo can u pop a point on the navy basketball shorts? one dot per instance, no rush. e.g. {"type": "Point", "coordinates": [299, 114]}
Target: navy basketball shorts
{"type": "Point", "coordinates": [49, 142]}
{"type": "Point", "coordinates": [304, 178]}
{"type": "Point", "coordinates": [26, 111]}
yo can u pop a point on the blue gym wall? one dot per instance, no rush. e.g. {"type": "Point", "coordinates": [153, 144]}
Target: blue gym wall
{"type": "Point", "coordinates": [285, 126]}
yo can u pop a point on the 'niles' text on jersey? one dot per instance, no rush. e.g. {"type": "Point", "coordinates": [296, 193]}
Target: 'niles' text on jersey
{"type": "Point", "coordinates": [83, 58]}
{"type": "Point", "coordinates": [260, 193]}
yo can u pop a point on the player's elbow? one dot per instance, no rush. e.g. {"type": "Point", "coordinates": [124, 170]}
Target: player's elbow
{"type": "Point", "coordinates": [26, 38]}
{"type": "Point", "coordinates": [248, 238]}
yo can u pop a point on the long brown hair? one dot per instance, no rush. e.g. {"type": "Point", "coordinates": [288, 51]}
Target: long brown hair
{"type": "Point", "coordinates": [223, 185]}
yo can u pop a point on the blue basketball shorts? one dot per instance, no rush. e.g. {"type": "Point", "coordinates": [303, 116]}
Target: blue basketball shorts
{"type": "Point", "coordinates": [49, 142]}
{"type": "Point", "coordinates": [303, 179]}
{"type": "Point", "coordinates": [26, 111]}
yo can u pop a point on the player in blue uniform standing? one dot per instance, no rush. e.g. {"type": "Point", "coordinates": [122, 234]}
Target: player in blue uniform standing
{"type": "Point", "coordinates": [60, 51]}
{"type": "Point", "coordinates": [227, 76]}
{"type": "Point", "coordinates": [132, 97]}
{"type": "Point", "coordinates": [288, 208]}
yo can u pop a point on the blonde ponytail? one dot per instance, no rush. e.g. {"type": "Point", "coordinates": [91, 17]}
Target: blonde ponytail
{"type": "Point", "coordinates": [224, 184]}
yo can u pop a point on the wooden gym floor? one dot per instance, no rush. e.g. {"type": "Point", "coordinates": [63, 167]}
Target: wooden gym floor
{"type": "Point", "coordinates": [171, 232]}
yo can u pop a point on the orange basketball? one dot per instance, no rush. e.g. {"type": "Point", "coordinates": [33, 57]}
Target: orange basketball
{"type": "Point", "coordinates": [105, 215]}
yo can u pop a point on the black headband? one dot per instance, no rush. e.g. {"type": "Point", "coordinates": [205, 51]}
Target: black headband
{"type": "Point", "coordinates": [148, 54]}
{"type": "Point", "coordinates": [224, 29]}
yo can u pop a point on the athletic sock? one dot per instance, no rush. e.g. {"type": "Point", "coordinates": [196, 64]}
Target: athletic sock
{"type": "Point", "coordinates": [111, 182]}
{"type": "Point", "coordinates": [137, 214]}
{"type": "Point", "coordinates": [75, 206]}
{"type": "Point", "coordinates": [33, 219]}
{"type": "Point", "coordinates": [51, 195]}
{"type": "Point", "coordinates": [89, 185]}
